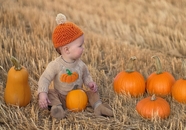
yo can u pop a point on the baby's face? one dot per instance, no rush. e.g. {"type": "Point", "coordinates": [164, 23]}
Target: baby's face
{"type": "Point", "coordinates": [76, 48]}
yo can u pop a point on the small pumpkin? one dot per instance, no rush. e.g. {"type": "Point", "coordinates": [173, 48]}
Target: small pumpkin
{"type": "Point", "coordinates": [159, 83]}
{"type": "Point", "coordinates": [179, 87]}
{"type": "Point", "coordinates": [17, 91]}
{"type": "Point", "coordinates": [129, 82]}
{"type": "Point", "coordinates": [76, 100]}
{"type": "Point", "coordinates": [153, 107]}
{"type": "Point", "coordinates": [69, 77]}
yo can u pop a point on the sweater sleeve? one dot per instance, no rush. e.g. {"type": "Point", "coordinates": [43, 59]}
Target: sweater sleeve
{"type": "Point", "coordinates": [47, 77]}
{"type": "Point", "coordinates": [86, 76]}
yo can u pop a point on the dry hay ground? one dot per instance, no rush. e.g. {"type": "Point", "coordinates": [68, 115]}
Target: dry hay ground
{"type": "Point", "coordinates": [114, 32]}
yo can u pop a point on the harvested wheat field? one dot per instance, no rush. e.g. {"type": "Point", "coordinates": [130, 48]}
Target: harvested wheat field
{"type": "Point", "coordinates": [114, 32]}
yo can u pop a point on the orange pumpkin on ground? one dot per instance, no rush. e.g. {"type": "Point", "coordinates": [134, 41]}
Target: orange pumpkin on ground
{"type": "Point", "coordinates": [129, 82]}
{"type": "Point", "coordinates": [159, 83]}
{"type": "Point", "coordinates": [153, 107]}
{"type": "Point", "coordinates": [179, 87]}
{"type": "Point", "coordinates": [69, 77]}
{"type": "Point", "coordinates": [17, 91]}
{"type": "Point", "coordinates": [76, 100]}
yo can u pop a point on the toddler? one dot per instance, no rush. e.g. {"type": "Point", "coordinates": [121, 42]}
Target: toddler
{"type": "Point", "coordinates": [68, 40]}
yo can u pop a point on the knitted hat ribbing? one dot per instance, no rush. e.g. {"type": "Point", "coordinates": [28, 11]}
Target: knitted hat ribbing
{"type": "Point", "coordinates": [65, 32]}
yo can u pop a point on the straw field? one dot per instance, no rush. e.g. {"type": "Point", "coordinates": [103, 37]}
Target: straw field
{"type": "Point", "coordinates": [114, 32]}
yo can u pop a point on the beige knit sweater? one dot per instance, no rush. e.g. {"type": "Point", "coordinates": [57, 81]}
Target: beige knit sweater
{"type": "Point", "coordinates": [58, 69]}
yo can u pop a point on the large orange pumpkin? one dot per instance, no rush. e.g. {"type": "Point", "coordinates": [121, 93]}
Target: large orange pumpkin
{"type": "Point", "coordinates": [179, 87]}
{"type": "Point", "coordinates": [17, 91]}
{"type": "Point", "coordinates": [129, 82]}
{"type": "Point", "coordinates": [153, 107]}
{"type": "Point", "coordinates": [159, 83]}
{"type": "Point", "coordinates": [76, 100]}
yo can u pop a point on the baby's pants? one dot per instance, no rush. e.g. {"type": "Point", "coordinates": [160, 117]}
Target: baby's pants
{"type": "Point", "coordinates": [56, 98]}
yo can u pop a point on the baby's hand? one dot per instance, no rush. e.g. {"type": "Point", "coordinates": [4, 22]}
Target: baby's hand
{"type": "Point", "coordinates": [93, 86]}
{"type": "Point", "coordinates": [43, 100]}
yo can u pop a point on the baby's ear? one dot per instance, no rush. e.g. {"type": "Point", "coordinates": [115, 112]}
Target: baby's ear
{"type": "Point", "coordinates": [66, 49]}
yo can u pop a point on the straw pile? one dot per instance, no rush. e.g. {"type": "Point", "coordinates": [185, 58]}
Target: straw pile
{"type": "Point", "coordinates": [114, 32]}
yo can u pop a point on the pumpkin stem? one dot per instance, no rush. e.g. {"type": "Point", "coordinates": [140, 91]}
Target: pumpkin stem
{"type": "Point", "coordinates": [68, 72]}
{"type": "Point", "coordinates": [16, 64]}
{"type": "Point", "coordinates": [130, 65]}
{"type": "Point", "coordinates": [184, 69]}
{"type": "Point", "coordinates": [158, 65]}
{"type": "Point", "coordinates": [153, 98]}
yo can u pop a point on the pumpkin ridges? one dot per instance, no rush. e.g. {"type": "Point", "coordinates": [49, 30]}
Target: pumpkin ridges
{"type": "Point", "coordinates": [179, 87]}
{"type": "Point", "coordinates": [76, 100]}
{"type": "Point", "coordinates": [140, 106]}
{"type": "Point", "coordinates": [128, 86]}
{"type": "Point", "coordinates": [139, 76]}
{"type": "Point", "coordinates": [150, 109]}
{"type": "Point", "coordinates": [127, 81]}
{"type": "Point", "coordinates": [162, 109]}
{"type": "Point", "coordinates": [179, 90]}
{"type": "Point", "coordinates": [166, 112]}
{"type": "Point", "coordinates": [119, 81]}
{"type": "Point", "coordinates": [74, 76]}
{"type": "Point", "coordinates": [69, 77]}
{"type": "Point", "coordinates": [159, 83]}
{"type": "Point", "coordinates": [147, 104]}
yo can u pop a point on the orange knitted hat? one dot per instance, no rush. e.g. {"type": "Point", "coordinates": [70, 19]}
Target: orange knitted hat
{"type": "Point", "coordinates": [65, 32]}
